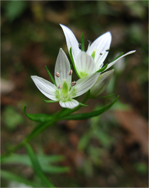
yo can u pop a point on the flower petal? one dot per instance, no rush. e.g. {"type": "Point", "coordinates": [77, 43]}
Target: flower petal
{"type": "Point", "coordinates": [85, 64]}
{"type": "Point", "coordinates": [112, 63]}
{"type": "Point", "coordinates": [71, 41]}
{"type": "Point", "coordinates": [101, 83]}
{"type": "Point", "coordinates": [100, 45]}
{"type": "Point", "coordinates": [63, 68]}
{"type": "Point", "coordinates": [69, 104]}
{"type": "Point", "coordinates": [84, 84]}
{"type": "Point", "coordinates": [45, 87]}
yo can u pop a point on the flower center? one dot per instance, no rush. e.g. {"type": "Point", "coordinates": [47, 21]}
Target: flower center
{"type": "Point", "coordinates": [83, 74]}
{"type": "Point", "coordinates": [65, 89]}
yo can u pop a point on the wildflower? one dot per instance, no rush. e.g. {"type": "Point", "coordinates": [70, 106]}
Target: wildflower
{"type": "Point", "coordinates": [64, 91]}
{"type": "Point", "coordinates": [97, 51]}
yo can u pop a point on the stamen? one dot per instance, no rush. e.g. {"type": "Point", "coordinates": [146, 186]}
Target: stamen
{"type": "Point", "coordinates": [57, 74]}
{"type": "Point", "coordinates": [60, 87]}
{"type": "Point", "coordinates": [70, 72]}
{"type": "Point", "coordinates": [73, 83]}
{"type": "Point", "coordinates": [101, 53]}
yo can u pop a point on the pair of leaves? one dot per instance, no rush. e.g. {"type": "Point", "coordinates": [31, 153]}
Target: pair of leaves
{"type": "Point", "coordinates": [45, 162]}
{"type": "Point", "coordinates": [79, 116]}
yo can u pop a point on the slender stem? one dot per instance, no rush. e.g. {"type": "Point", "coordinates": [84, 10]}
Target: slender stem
{"type": "Point", "coordinates": [41, 127]}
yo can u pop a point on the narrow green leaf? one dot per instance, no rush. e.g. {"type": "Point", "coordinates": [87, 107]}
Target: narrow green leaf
{"type": "Point", "coordinates": [71, 57]}
{"type": "Point", "coordinates": [45, 162]}
{"type": "Point", "coordinates": [103, 96]}
{"type": "Point", "coordinates": [82, 42]}
{"type": "Point", "coordinates": [50, 75]}
{"type": "Point", "coordinates": [82, 116]}
{"type": "Point", "coordinates": [36, 167]}
{"type": "Point", "coordinates": [82, 104]}
{"type": "Point", "coordinates": [15, 177]}
{"type": "Point", "coordinates": [49, 101]}
{"type": "Point", "coordinates": [38, 117]}
{"type": "Point", "coordinates": [108, 95]}
{"type": "Point", "coordinates": [103, 68]}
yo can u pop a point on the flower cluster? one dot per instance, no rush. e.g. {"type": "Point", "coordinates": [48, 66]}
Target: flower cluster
{"type": "Point", "coordinates": [88, 65]}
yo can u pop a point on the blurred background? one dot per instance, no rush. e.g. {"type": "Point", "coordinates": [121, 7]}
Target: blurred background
{"type": "Point", "coordinates": [106, 151]}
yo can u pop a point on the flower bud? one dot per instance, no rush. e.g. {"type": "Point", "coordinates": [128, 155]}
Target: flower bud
{"type": "Point", "coordinates": [101, 83]}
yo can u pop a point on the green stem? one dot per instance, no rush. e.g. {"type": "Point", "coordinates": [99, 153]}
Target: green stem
{"type": "Point", "coordinates": [41, 127]}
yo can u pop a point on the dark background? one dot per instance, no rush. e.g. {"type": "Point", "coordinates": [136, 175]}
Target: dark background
{"type": "Point", "coordinates": [106, 151]}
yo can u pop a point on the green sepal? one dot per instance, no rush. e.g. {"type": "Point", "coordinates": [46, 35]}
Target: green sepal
{"type": "Point", "coordinates": [49, 101]}
{"type": "Point", "coordinates": [50, 75]}
{"type": "Point", "coordinates": [81, 104]}
{"type": "Point", "coordinates": [38, 117]}
{"type": "Point", "coordinates": [71, 57]}
{"type": "Point", "coordinates": [82, 42]}
{"type": "Point", "coordinates": [82, 116]}
{"type": "Point", "coordinates": [103, 68]}
{"type": "Point", "coordinates": [118, 56]}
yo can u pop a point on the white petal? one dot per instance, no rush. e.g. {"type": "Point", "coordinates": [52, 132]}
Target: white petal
{"type": "Point", "coordinates": [69, 104]}
{"type": "Point", "coordinates": [45, 87]}
{"type": "Point", "coordinates": [101, 83]}
{"type": "Point", "coordinates": [85, 64]}
{"type": "Point", "coordinates": [100, 45]}
{"type": "Point", "coordinates": [84, 84]}
{"type": "Point", "coordinates": [62, 67]}
{"type": "Point", "coordinates": [112, 63]}
{"type": "Point", "coordinates": [71, 41]}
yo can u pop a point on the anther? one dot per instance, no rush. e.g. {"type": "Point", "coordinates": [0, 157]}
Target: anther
{"type": "Point", "coordinates": [107, 50]}
{"type": "Point", "coordinates": [57, 74]}
{"type": "Point", "coordinates": [60, 86]}
{"type": "Point", "coordinates": [101, 53]}
{"type": "Point", "coordinates": [73, 83]}
{"type": "Point", "coordinates": [70, 72]}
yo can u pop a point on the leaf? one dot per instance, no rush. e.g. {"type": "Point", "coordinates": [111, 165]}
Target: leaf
{"type": "Point", "coordinates": [49, 101]}
{"type": "Point", "coordinates": [36, 167]}
{"type": "Point", "coordinates": [38, 117]}
{"type": "Point", "coordinates": [50, 75]}
{"type": "Point", "coordinates": [14, 9]}
{"type": "Point", "coordinates": [82, 116]}
{"type": "Point", "coordinates": [81, 104]}
{"type": "Point", "coordinates": [43, 160]}
{"type": "Point", "coordinates": [15, 177]}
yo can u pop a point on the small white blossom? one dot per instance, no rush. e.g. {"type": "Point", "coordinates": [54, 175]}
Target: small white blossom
{"type": "Point", "coordinates": [64, 91]}
{"type": "Point", "coordinates": [92, 60]}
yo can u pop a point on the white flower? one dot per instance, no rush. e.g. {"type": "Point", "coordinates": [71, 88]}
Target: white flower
{"type": "Point", "coordinates": [64, 91]}
{"type": "Point", "coordinates": [92, 60]}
